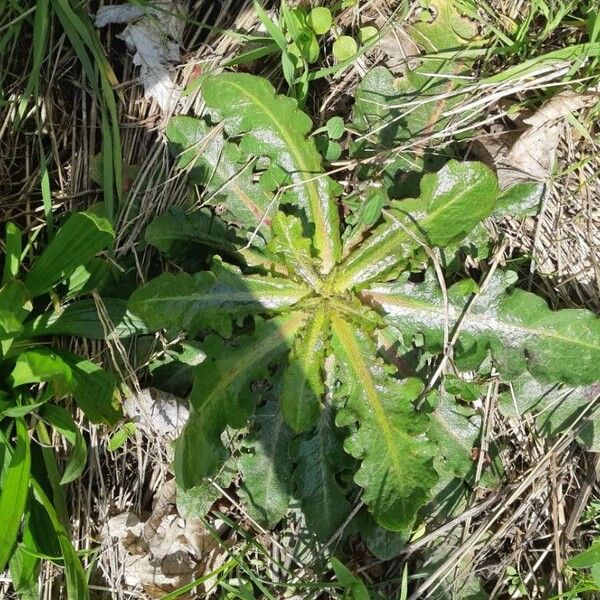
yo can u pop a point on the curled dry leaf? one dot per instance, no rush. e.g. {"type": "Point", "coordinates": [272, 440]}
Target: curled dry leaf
{"type": "Point", "coordinates": [533, 154]}
{"type": "Point", "coordinates": [153, 33]}
{"type": "Point", "coordinates": [166, 551]}
{"type": "Point", "coordinates": [157, 412]}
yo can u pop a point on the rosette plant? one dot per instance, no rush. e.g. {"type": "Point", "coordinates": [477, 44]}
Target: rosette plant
{"type": "Point", "coordinates": [298, 298]}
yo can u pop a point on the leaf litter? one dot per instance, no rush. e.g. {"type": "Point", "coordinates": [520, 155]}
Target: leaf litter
{"type": "Point", "coordinates": [153, 33]}
{"type": "Point", "coordinates": [157, 412]}
{"type": "Point", "coordinates": [532, 156]}
{"type": "Point", "coordinates": [166, 551]}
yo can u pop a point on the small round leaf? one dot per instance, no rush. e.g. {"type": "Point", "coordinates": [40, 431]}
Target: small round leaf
{"type": "Point", "coordinates": [334, 151]}
{"type": "Point", "coordinates": [335, 128]}
{"type": "Point", "coordinates": [329, 149]}
{"type": "Point", "coordinates": [344, 48]}
{"type": "Point", "coordinates": [320, 20]}
{"type": "Point", "coordinates": [366, 34]}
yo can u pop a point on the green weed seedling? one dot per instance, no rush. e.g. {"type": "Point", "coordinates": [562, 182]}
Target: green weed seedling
{"type": "Point", "coordinates": [309, 333]}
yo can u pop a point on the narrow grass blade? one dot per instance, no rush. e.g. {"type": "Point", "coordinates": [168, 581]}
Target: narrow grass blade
{"type": "Point", "coordinates": [14, 493]}
{"type": "Point", "coordinates": [96, 67]}
{"type": "Point", "coordinates": [76, 242]}
{"type": "Point", "coordinates": [13, 249]}
{"type": "Point", "coordinates": [63, 422]}
{"type": "Point", "coordinates": [224, 568]}
{"type": "Point", "coordinates": [46, 194]}
{"type": "Point", "coordinates": [77, 588]}
{"type": "Point", "coordinates": [41, 27]}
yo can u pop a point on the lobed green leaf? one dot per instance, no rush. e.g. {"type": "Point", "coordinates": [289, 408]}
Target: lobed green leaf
{"type": "Point", "coordinates": [182, 301]}
{"type": "Point", "coordinates": [220, 167]}
{"type": "Point", "coordinates": [289, 243]}
{"type": "Point", "coordinates": [81, 318]}
{"type": "Point", "coordinates": [517, 328]}
{"type": "Point", "coordinates": [555, 407]}
{"type": "Point", "coordinates": [452, 202]}
{"type": "Point", "coordinates": [396, 469]}
{"type": "Point", "coordinates": [455, 429]}
{"type": "Point", "coordinates": [320, 458]}
{"type": "Point", "coordinates": [273, 126]}
{"type": "Point", "coordinates": [303, 386]}
{"type": "Point", "coordinates": [266, 466]}
{"type": "Point", "coordinates": [222, 395]}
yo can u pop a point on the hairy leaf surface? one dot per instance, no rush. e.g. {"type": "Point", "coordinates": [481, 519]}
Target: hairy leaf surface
{"type": "Point", "coordinates": [455, 429]}
{"type": "Point", "coordinates": [221, 395]}
{"type": "Point", "coordinates": [274, 127]}
{"type": "Point", "coordinates": [445, 28]}
{"type": "Point", "coordinates": [405, 109]}
{"type": "Point", "coordinates": [396, 469]}
{"type": "Point", "coordinates": [266, 466]}
{"type": "Point", "coordinates": [290, 243]}
{"type": "Point", "coordinates": [199, 227]}
{"type": "Point", "coordinates": [303, 386]}
{"type": "Point", "coordinates": [182, 301]}
{"type": "Point", "coordinates": [223, 170]}
{"type": "Point", "coordinates": [452, 202]}
{"type": "Point", "coordinates": [321, 315]}
{"type": "Point", "coordinates": [391, 111]}
{"type": "Point", "coordinates": [178, 234]}
{"type": "Point", "coordinates": [320, 458]}
{"type": "Point", "coordinates": [81, 319]}
{"type": "Point", "coordinates": [517, 328]}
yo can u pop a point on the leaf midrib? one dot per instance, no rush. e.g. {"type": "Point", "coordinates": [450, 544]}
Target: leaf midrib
{"type": "Point", "coordinates": [226, 296]}
{"type": "Point", "coordinates": [364, 375]}
{"type": "Point", "coordinates": [386, 246]}
{"type": "Point", "coordinates": [327, 255]}
{"type": "Point", "coordinates": [488, 321]}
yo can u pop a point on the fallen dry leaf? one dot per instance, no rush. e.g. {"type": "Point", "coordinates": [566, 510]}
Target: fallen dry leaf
{"type": "Point", "coordinates": [157, 412]}
{"type": "Point", "coordinates": [153, 34]}
{"type": "Point", "coordinates": [120, 13]}
{"type": "Point", "coordinates": [533, 155]}
{"type": "Point", "coordinates": [400, 49]}
{"type": "Point", "coordinates": [166, 551]}
{"type": "Point", "coordinates": [402, 52]}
